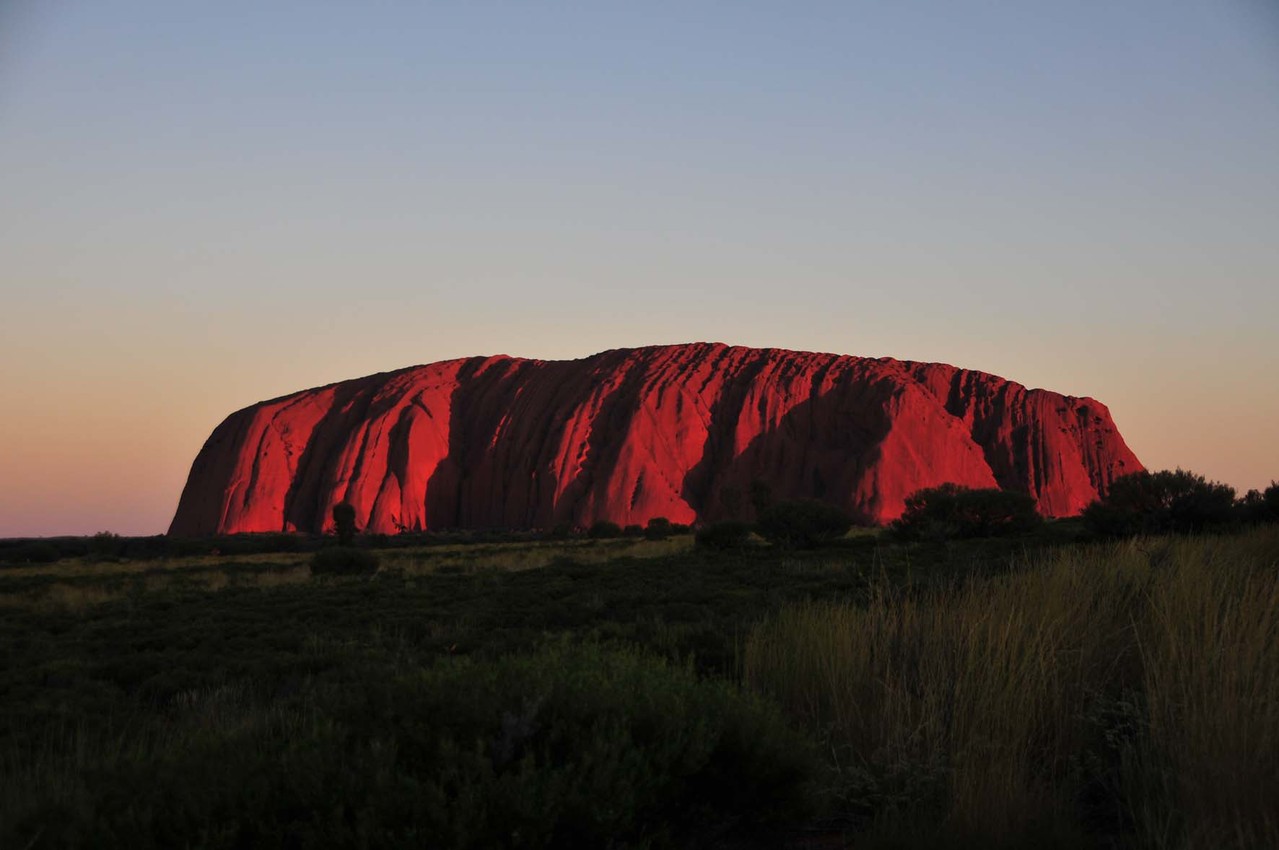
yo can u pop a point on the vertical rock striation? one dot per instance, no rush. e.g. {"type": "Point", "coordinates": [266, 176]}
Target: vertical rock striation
{"type": "Point", "coordinates": [677, 431]}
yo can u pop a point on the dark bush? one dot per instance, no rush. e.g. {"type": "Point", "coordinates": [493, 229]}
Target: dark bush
{"type": "Point", "coordinates": [1257, 506]}
{"type": "Point", "coordinates": [344, 522]}
{"type": "Point", "coordinates": [603, 529]}
{"type": "Point", "coordinates": [35, 552]}
{"type": "Point", "coordinates": [802, 525]}
{"type": "Point", "coordinates": [144, 548]}
{"type": "Point", "coordinates": [106, 546]}
{"type": "Point", "coordinates": [561, 531]}
{"type": "Point", "coordinates": [953, 511]}
{"type": "Point", "coordinates": [185, 547]}
{"type": "Point", "coordinates": [567, 747]}
{"type": "Point", "coordinates": [343, 561]}
{"type": "Point", "coordinates": [729, 534]}
{"type": "Point", "coordinates": [71, 547]}
{"type": "Point", "coordinates": [257, 543]}
{"type": "Point", "coordinates": [1160, 503]}
{"type": "Point", "coordinates": [658, 528]}
{"type": "Point", "coordinates": [633, 530]}
{"type": "Point", "coordinates": [1251, 508]}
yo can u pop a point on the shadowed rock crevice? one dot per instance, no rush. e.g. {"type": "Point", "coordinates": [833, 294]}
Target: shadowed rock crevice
{"type": "Point", "coordinates": [312, 493]}
{"type": "Point", "coordinates": [702, 485]}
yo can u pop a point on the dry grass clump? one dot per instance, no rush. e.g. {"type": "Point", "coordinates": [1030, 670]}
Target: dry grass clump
{"type": "Point", "coordinates": [96, 567]}
{"type": "Point", "coordinates": [514, 557]}
{"type": "Point", "coordinates": [1210, 651]}
{"type": "Point", "coordinates": [78, 584]}
{"type": "Point", "coordinates": [1129, 690]}
{"type": "Point", "coordinates": [75, 596]}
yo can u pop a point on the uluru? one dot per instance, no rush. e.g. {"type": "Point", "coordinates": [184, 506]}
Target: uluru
{"type": "Point", "coordinates": [676, 431]}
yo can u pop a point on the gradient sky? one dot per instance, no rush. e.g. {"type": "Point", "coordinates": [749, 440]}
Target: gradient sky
{"type": "Point", "coordinates": [206, 205]}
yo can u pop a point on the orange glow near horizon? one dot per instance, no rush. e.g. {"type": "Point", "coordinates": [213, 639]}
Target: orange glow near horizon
{"type": "Point", "coordinates": [210, 206]}
{"type": "Point", "coordinates": [98, 453]}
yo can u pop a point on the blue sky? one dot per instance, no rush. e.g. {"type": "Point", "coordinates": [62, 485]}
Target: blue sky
{"type": "Point", "coordinates": [206, 205]}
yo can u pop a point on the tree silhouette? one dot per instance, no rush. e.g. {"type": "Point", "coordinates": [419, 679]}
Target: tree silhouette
{"type": "Point", "coordinates": [344, 522]}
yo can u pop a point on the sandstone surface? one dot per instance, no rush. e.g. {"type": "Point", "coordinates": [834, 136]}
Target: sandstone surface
{"type": "Point", "coordinates": [676, 431]}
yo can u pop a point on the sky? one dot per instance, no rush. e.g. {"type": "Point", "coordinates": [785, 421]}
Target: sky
{"type": "Point", "coordinates": [207, 205]}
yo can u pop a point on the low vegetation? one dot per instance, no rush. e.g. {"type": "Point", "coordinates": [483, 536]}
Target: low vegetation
{"type": "Point", "coordinates": [1176, 502]}
{"type": "Point", "coordinates": [951, 511]}
{"type": "Point", "coordinates": [802, 525]}
{"type": "Point", "coordinates": [566, 746]}
{"type": "Point", "coordinates": [1125, 694]}
{"type": "Point", "coordinates": [344, 561]}
{"type": "Point", "coordinates": [955, 685]}
{"type": "Point", "coordinates": [604, 530]}
{"type": "Point", "coordinates": [725, 535]}
{"type": "Point", "coordinates": [344, 522]}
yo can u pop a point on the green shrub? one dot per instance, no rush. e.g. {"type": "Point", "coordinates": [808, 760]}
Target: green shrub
{"type": "Point", "coordinates": [953, 511]}
{"type": "Point", "coordinates": [802, 525]}
{"type": "Point", "coordinates": [71, 547]}
{"type": "Point", "coordinates": [35, 552]}
{"type": "Point", "coordinates": [186, 547]}
{"type": "Point", "coordinates": [603, 529]}
{"type": "Point", "coordinates": [343, 561]}
{"type": "Point", "coordinates": [658, 528]}
{"type": "Point", "coordinates": [1257, 506]}
{"type": "Point", "coordinates": [560, 531]}
{"type": "Point", "coordinates": [1160, 503]}
{"type": "Point", "coordinates": [344, 522]}
{"type": "Point", "coordinates": [729, 534]}
{"type": "Point", "coordinates": [566, 747]}
{"type": "Point", "coordinates": [106, 546]}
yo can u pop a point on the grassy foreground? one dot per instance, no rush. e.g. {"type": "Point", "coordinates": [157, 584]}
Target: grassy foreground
{"type": "Point", "coordinates": [1126, 693]}
{"type": "Point", "coordinates": [647, 694]}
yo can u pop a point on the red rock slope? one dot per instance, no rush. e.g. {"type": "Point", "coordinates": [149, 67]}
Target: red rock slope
{"type": "Point", "coordinates": [677, 431]}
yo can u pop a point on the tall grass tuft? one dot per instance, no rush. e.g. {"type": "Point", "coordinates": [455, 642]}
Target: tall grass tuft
{"type": "Point", "coordinates": [1210, 653]}
{"type": "Point", "coordinates": [1130, 691]}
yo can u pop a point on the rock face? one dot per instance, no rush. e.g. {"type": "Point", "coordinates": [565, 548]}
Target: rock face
{"type": "Point", "coordinates": [677, 431]}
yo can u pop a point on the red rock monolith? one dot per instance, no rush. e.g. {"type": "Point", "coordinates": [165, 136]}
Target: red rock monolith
{"type": "Point", "coordinates": [677, 431]}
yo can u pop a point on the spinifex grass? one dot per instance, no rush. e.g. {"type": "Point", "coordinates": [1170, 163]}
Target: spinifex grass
{"type": "Point", "coordinates": [1210, 652]}
{"type": "Point", "coordinates": [78, 583]}
{"type": "Point", "coordinates": [1130, 689]}
{"type": "Point", "coordinates": [1024, 693]}
{"type": "Point", "coordinates": [568, 746]}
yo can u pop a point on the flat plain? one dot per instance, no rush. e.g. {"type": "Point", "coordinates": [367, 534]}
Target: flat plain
{"type": "Point", "coordinates": [1039, 691]}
